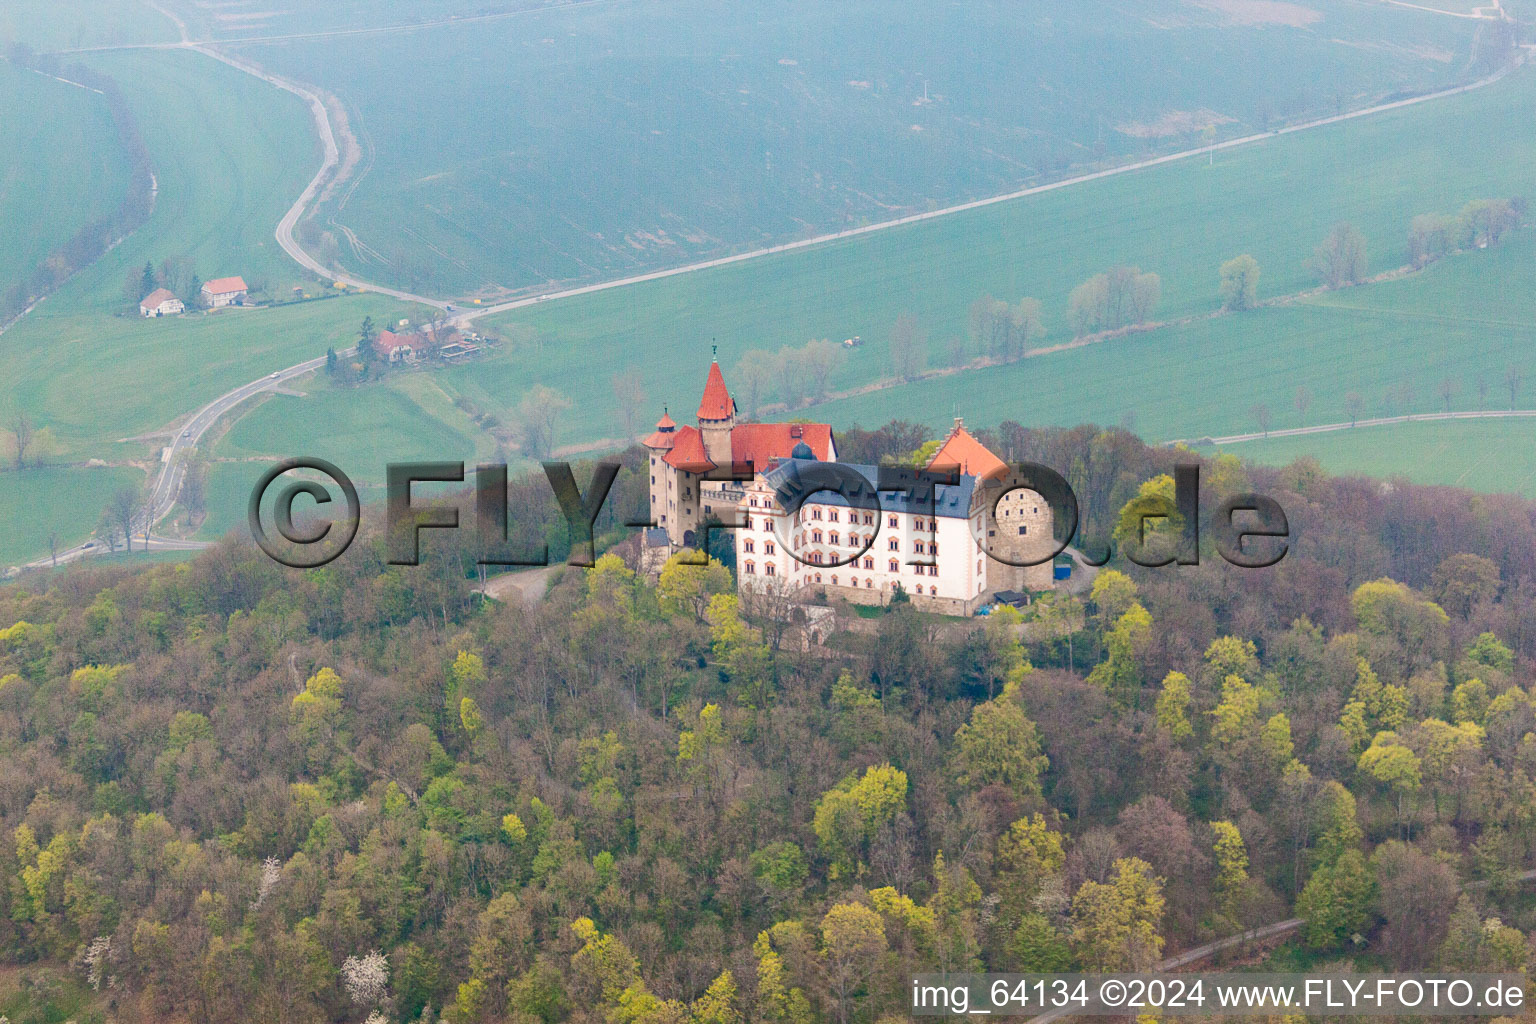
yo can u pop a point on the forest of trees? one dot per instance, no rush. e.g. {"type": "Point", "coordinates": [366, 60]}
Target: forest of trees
{"type": "Point", "coordinates": [235, 791]}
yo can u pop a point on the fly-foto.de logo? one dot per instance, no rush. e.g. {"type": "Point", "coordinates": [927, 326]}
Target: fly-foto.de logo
{"type": "Point", "coordinates": [1248, 530]}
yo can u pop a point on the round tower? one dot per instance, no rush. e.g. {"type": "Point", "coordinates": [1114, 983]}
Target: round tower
{"type": "Point", "coordinates": [717, 417]}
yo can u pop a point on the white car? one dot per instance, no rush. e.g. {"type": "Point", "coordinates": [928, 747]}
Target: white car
{"type": "Point", "coordinates": [274, 375]}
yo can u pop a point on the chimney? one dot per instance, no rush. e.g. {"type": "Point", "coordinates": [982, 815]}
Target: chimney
{"type": "Point", "coordinates": [796, 430]}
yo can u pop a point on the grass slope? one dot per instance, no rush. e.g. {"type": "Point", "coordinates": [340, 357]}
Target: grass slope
{"type": "Point", "coordinates": [1492, 456]}
{"type": "Point", "coordinates": [66, 499]}
{"type": "Point", "coordinates": [587, 143]}
{"type": "Point", "coordinates": [231, 153]}
{"type": "Point", "coordinates": [51, 25]}
{"type": "Point", "coordinates": [1393, 343]}
{"type": "Point", "coordinates": [1276, 200]}
{"type": "Point", "coordinates": [62, 172]}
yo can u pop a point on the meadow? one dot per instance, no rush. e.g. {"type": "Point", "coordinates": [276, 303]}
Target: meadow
{"type": "Point", "coordinates": [1275, 199]}
{"type": "Point", "coordinates": [1465, 319]}
{"type": "Point", "coordinates": [51, 25]}
{"type": "Point", "coordinates": [593, 142]}
{"type": "Point", "coordinates": [61, 173]}
{"type": "Point", "coordinates": [1492, 456]}
{"type": "Point", "coordinates": [223, 185]}
{"type": "Point", "coordinates": [66, 499]}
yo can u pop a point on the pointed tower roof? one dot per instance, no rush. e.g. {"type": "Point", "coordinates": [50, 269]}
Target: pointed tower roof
{"type": "Point", "coordinates": [961, 451]}
{"type": "Point", "coordinates": [665, 435]}
{"type": "Point", "coordinates": [717, 403]}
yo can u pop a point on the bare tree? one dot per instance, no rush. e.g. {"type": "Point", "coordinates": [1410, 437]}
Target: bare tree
{"type": "Point", "coordinates": [1482, 392]}
{"type": "Point", "coordinates": [1340, 260]}
{"type": "Point", "coordinates": [630, 394]}
{"type": "Point", "coordinates": [1303, 403]}
{"type": "Point", "coordinates": [751, 377]}
{"type": "Point", "coordinates": [906, 347]}
{"type": "Point", "coordinates": [822, 358]}
{"type": "Point", "coordinates": [1447, 390]}
{"type": "Point", "coordinates": [21, 438]}
{"type": "Point", "coordinates": [1353, 403]}
{"type": "Point", "coordinates": [126, 510]}
{"type": "Point", "coordinates": [1512, 381]}
{"type": "Point", "coordinates": [53, 547]}
{"type": "Point", "coordinates": [1261, 416]}
{"type": "Point", "coordinates": [537, 415]}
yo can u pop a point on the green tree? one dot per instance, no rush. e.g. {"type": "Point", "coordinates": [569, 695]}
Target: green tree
{"type": "Point", "coordinates": [687, 584]}
{"type": "Point", "coordinates": [853, 812]}
{"type": "Point", "coordinates": [1115, 924]}
{"type": "Point", "coordinates": [1231, 867]}
{"type": "Point", "coordinates": [1172, 708]}
{"type": "Point", "coordinates": [1337, 901]}
{"type": "Point", "coordinates": [1240, 283]}
{"type": "Point", "coordinates": [852, 939]}
{"type": "Point", "coordinates": [1000, 746]}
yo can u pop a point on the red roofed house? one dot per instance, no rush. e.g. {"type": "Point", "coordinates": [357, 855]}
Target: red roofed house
{"type": "Point", "coordinates": [396, 348]}
{"type": "Point", "coordinates": [682, 457]}
{"type": "Point", "coordinates": [224, 291]}
{"type": "Point", "coordinates": [161, 302]}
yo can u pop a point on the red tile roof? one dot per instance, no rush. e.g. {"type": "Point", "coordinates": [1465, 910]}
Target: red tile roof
{"type": "Point", "coordinates": [156, 298]}
{"type": "Point", "coordinates": [762, 443]}
{"type": "Point", "coordinates": [387, 341]}
{"type": "Point", "coordinates": [962, 451]}
{"type": "Point", "coordinates": [224, 285]}
{"type": "Point", "coordinates": [688, 452]}
{"type": "Point", "coordinates": [665, 435]}
{"type": "Point", "coordinates": [716, 403]}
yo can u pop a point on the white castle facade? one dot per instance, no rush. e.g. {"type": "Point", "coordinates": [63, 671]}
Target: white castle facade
{"type": "Point", "coordinates": [931, 549]}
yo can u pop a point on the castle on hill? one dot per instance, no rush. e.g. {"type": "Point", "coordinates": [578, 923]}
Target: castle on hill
{"type": "Point", "coordinates": [933, 552]}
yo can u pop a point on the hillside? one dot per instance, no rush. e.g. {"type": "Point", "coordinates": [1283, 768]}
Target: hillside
{"type": "Point", "coordinates": [241, 791]}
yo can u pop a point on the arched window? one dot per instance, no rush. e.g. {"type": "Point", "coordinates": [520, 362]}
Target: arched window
{"type": "Point", "coordinates": [868, 583]}
{"type": "Point", "coordinates": [890, 521]}
{"type": "Point", "coordinates": [770, 570]}
{"type": "Point", "coordinates": [894, 544]}
{"type": "Point", "coordinates": [895, 566]}
{"type": "Point", "coordinates": [818, 577]}
{"type": "Point", "coordinates": [832, 537]}
{"type": "Point", "coordinates": [751, 569]}
{"type": "Point", "coordinates": [832, 515]}
{"type": "Point", "coordinates": [869, 563]}
{"type": "Point", "coordinates": [746, 545]}
{"type": "Point", "coordinates": [816, 557]}
{"type": "Point", "coordinates": [749, 522]}
{"type": "Point", "coordinates": [815, 513]}
{"type": "Point", "coordinates": [834, 580]}
{"type": "Point", "coordinates": [815, 536]}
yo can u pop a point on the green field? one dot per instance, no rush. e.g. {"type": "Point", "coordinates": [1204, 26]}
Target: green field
{"type": "Point", "coordinates": [66, 499]}
{"type": "Point", "coordinates": [1186, 381]}
{"type": "Point", "coordinates": [224, 182]}
{"type": "Point", "coordinates": [592, 142]}
{"type": "Point", "coordinates": [51, 25]}
{"type": "Point", "coordinates": [231, 154]}
{"type": "Point", "coordinates": [61, 172]}
{"type": "Point", "coordinates": [1493, 456]}
{"type": "Point", "coordinates": [1275, 199]}
{"type": "Point", "coordinates": [1393, 343]}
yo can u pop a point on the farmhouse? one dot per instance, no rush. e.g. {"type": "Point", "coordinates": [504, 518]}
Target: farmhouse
{"type": "Point", "coordinates": [161, 302]}
{"type": "Point", "coordinates": [931, 550]}
{"type": "Point", "coordinates": [396, 348]}
{"type": "Point", "coordinates": [224, 291]}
